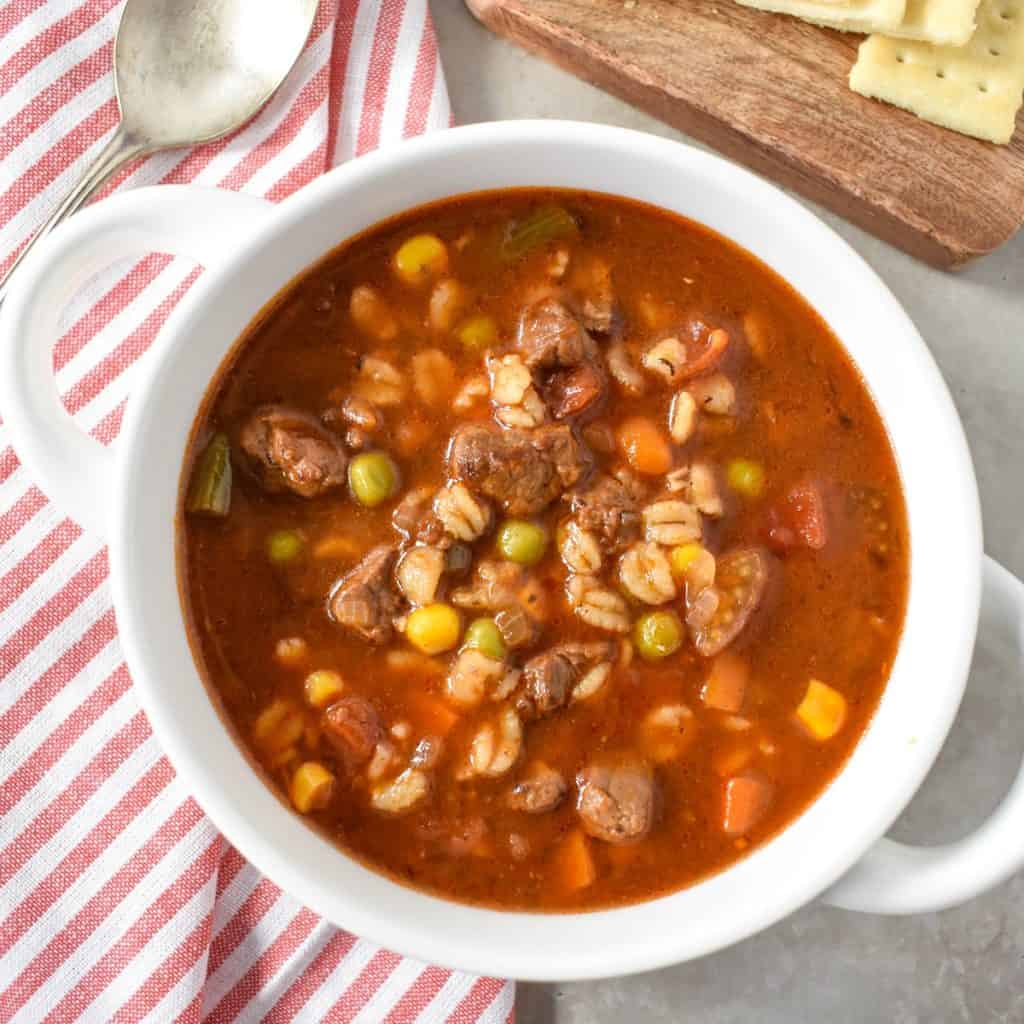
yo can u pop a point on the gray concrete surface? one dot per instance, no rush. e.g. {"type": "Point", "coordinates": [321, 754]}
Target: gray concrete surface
{"type": "Point", "coordinates": [822, 965]}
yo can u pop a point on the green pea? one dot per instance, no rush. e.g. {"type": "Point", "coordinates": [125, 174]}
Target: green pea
{"type": "Point", "coordinates": [284, 546]}
{"type": "Point", "coordinates": [522, 542]}
{"type": "Point", "coordinates": [483, 635]}
{"type": "Point", "coordinates": [658, 634]}
{"type": "Point", "coordinates": [373, 478]}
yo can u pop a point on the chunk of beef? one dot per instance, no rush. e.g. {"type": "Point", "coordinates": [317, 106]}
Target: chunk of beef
{"type": "Point", "coordinates": [550, 336]}
{"type": "Point", "coordinates": [365, 601]}
{"type": "Point", "coordinates": [524, 471]}
{"type": "Point", "coordinates": [615, 799]}
{"type": "Point", "coordinates": [577, 392]}
{"type": "Point", "coordinates": [609, 509]}
{"type": "Point", "coordinates": [292, 451]}
{"type": "Point", "coordinates": [353, 728]}
{"type": "Point", "coordinates": [549, 678]}
{"type": "Point", "coordinates": [552, 340]}
{"type": "Point", "coordinates": [542, 791]}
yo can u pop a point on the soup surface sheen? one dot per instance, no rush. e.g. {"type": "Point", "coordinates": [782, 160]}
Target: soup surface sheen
{"type": "Point", "coordinates": [544, 548]}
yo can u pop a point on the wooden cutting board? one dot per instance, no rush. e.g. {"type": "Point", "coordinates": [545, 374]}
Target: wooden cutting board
{"type": "Point", "coordinates": [771, 92]}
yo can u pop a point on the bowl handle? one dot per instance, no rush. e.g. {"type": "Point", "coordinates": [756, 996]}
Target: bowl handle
{"type": "Point", "coordinates": [72, 468]}
{"type": "Point", "coordinates": [894, 878]}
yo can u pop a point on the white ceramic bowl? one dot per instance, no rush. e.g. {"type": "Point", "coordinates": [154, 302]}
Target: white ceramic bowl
{"type": "Point", "coordinates": [251, 250]}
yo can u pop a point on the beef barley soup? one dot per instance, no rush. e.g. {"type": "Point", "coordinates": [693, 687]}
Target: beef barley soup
{"type": "Point", "coordinates": [544, 549]}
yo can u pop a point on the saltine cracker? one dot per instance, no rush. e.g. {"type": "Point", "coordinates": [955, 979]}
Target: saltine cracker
{"type": "Point", "coordinates": [974, 89]}
{"type": "Point", "coordinates": [849, 16]}
{"type": "Point", "coordinates": [945, 22]}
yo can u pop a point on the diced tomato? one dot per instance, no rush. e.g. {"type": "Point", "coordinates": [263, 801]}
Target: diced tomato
{"type": "Point", "coordinates": [807, 508]}
{"type": "Point", "coordinates": [799, 519]}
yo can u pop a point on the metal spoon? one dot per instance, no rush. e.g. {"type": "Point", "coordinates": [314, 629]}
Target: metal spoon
{"type": "Point", "coordinates": [188, 71]}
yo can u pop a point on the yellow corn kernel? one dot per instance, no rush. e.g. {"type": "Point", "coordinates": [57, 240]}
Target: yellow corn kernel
{"type": "Point", "coordinates": [746, 477]}
{"type": "Point", "coordinates": [312, 787]}
{"type": "Point", "coordinates": [478, 333]}
{"type": "Point", "coordinates": [822, 711]}
{"type": "Point", "coordinates": [291, 650]}
{"type": "Point", "coordinates": [323, 687]}
{"type": "Point", "coordinates": [694, 564]}
{"type": "Point", "coordinates": [278, 726]}
{"type": "Point", "coordinates": [420, 259]}
{"type": "Point", "coordinates": [434, 628]}
{"type": "Point", "coordinates": [682, 557]}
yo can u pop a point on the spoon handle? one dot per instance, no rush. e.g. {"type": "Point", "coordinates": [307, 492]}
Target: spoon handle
{"type": "Point", "coordinates": [120, 148]}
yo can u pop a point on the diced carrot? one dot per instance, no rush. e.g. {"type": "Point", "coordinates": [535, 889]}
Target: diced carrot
{"type": "Point", "coordinates": [335, 545]}
{"type": "Point", "coordinates": [434, 716]}
{"type": "Point", "coordinates": [727, 684]}
{"type": "Point", "coordinates": [574, 861]}
{"type": "Point", "coordinates": [822, 711]}
{"type": "Point", "coordinates": [731, 760]}
{"type": "Point", "coordinates": [747, 799]}
{"type": "Point", "coordinates": [644, 446]}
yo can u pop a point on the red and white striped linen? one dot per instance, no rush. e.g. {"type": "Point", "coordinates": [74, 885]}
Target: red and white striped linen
{"type": "Point", "coordinates": [118, 899]}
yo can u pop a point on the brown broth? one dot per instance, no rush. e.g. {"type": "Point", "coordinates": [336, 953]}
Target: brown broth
{"type": "Point", "coordinates": [835, 614]}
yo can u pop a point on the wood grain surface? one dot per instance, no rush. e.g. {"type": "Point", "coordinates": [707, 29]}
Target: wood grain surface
{"type": "Point", "coordinates": [771, 92]}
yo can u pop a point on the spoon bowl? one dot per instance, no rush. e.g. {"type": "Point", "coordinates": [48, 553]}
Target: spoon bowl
{"type": "Point", "coordinates": [189, 72]}
{"type": "Point", "coordinates": [186, 72]}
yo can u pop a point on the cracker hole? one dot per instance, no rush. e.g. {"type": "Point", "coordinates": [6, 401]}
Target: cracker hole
{"type": "Point", "coordinates": [900, 59]}
{"type": "Point", "coordinates": [940, 73]}
{"type": "Point", "coordinates": [982, 87]}
{"type": "Point", "coordinates": [995, 53]}
{"type": "Point", "coordinates": [1006, 15]}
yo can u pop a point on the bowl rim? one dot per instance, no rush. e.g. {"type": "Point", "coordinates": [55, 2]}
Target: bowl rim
{"type": "Point", "coordinates": [539, 946]}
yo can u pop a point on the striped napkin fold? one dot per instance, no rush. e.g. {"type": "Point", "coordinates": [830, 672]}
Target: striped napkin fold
{"type": "Point", "coordinates": [118, 899]}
